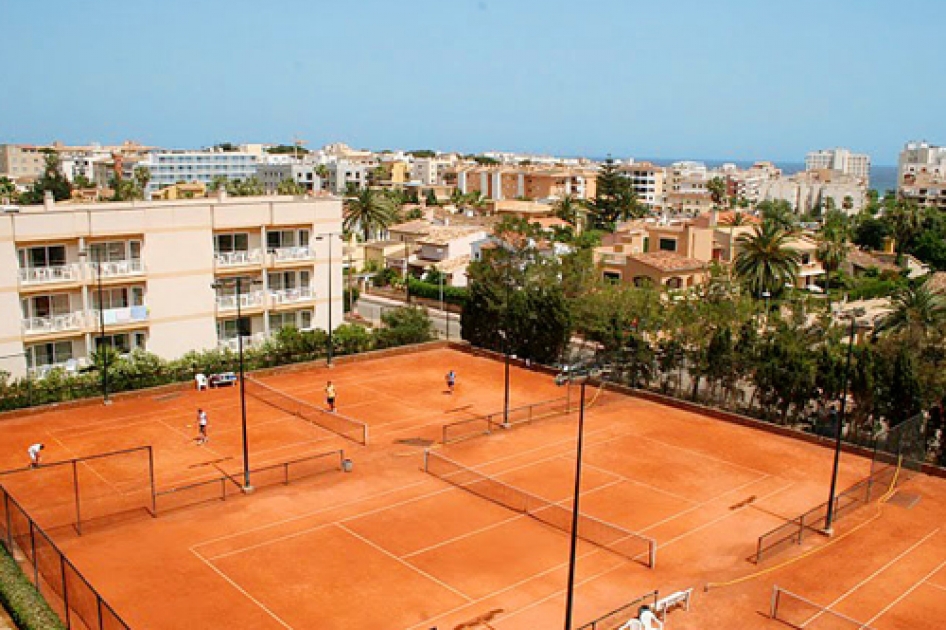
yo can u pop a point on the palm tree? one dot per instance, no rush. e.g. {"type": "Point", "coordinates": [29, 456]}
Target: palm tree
{"type": "Point", "coordinates": [568, 209]}
{"type": "Point", "coordinates": [905, 218]}
{"type": "Point", "coordinates": [766, 262]}
{"type": "Point", "coordinates": [717, 190]}
{"type": "Point", "coordinates": [369, 211]}
{"type": "Point", "coordinates": [142, 175]}
{"type": "Point", "coordinates": [780, 214]}
{"type": "Point", "coordinates": [915, 312]}
{"type": "Point", "coordinates": [831, 252]}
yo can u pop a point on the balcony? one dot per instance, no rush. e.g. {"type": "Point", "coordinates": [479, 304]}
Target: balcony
{"type": "Point", "coordinates": [609, 258]}
{"type": "Point", "coordinates": [249, 341]}
{"type": "Point", "coordinates": [118, 316]}
{"type": "Point", "coordinates": [290, 296]}
{"type": "Point", "coordinates": [237, 259]}
{"type": "Point", "coordinates": [57, 323]}
{"type": "Point", "coordinates": [70, 366]}
{"type": "Point", "coordinates": [49, 275]}
{"type": "Point", "coordinates": [252, 299]}
{"type": "Point", "coordinates": [290, 254]}
{"type": "Point", "coordinates": [119, 268]}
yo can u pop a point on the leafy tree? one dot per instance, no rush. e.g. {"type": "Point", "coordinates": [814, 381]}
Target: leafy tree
{"type": "Point", "coordinates": [289, 186]}
{"type": "Point", "coordinates": [904, 397]}
{"type": "Point", "coordinates": [717, 190]}
{"type": "Point", "coordinates": [431, 198]}
{"type": "Point", "coordinates": [287, 149]}
{"type": "Point", "coordinates": [869, 233]}
{"type": "Point", "coordinates": [351, 339]}
{"type": "Point", "coordinates": [766, 262]}
{"type": "Point", "coordinates": [369, 211]}
{"type": "Point", "coordinates": [614, 198]}
{"type": "Point", "coordinates": [905, 218]}
{"type": "Point", "coordinates": [52, 180]}
{"type": "Point", "coordinates": [569, 209]}
{"type": "Point", "coordinates": [7, 188]}
{"type": "Point", "coordinates": [831, 252]}
{"type": "Point", "coordinates": [916, 313]}
{"type": "Point", "coordinates": [142, 175]}
{"type": "Point", "coordinates": [721, 359]}
{"type": "Point", "coordinates": [403, 326]}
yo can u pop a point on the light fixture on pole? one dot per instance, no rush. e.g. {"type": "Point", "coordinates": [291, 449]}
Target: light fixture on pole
{"type": "Point", "coordinates": [838, 431]}
{"type": "Point", "coordinates": [566, 377]}
{"type": "Point", "coordinates": [327, 236]}
{"type": "Point", "coordinates": [101, 310]}
{"type": "Point", "coordinates": [239, 283]}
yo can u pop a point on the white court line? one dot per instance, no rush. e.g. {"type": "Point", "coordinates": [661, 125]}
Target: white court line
{"type": "Point", "coordinates": [935, 585]}
{"type": "Point", "coordinates": [908, 591]}
{"type": "Point", "coordinates": [466, 535]}
{"type": "Point", "coordinates": [242, 590]}
{"type": "Point", "coordinates": [870, 577]}
{"type": "Point", "coordinates": [636, 482]}
{"type": "Point", "coordinates": [405, 563]}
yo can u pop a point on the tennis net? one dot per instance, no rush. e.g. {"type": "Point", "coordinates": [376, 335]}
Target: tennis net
{"type": "Point", "coordinates": [614, 538]}
{"type": "Point", "coordinates": [797, 612]}
{"type": "Point", "coordinates": [335, 422]}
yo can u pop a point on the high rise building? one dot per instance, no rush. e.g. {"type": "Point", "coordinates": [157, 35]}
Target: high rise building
{"type": "Point", "coordinates": [841, 160]}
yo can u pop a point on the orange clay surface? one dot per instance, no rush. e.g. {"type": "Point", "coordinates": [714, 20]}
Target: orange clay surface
{"type": "Point", "coordinates": [390, 547]}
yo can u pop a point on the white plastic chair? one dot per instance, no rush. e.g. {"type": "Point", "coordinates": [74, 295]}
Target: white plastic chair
{"type": "Point", "coordinates": [201, 381]}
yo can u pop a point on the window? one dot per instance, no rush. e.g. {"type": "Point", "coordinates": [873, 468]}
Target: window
{"type": "Point", "coordinates": [667, 245]}
{"type": "Point", "coordinates": [46, 305]}
{"type": "Point", "coordinates": [119, 343]}
{"type": "Point", "coordinates": [612, 277]}
{"type": "Point", "coordinates": [119, 297]}
{"type": "Point", "coordinates": [49, 353]}
{"type": "Point", "coordinates": [279, 239]}
{"type": "Point", "coordinates": [297, 319]}
{"type": "Point", "coordinates": [112, 251]}
{"type": "Point", "coordinates": [224, 243]}
{"type": "Point", "coordinates": [227, 329]}
{"type": "Point", "coordinates": [46, 256]}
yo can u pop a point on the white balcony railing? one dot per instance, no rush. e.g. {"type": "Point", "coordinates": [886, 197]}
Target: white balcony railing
{"type": "Point", "coordinates": [249, 341]}
{"type": "Point", "coordinates": [118, 268]}
{"type": "Point", "coordinates": [236, 259]}
{"type": "Point", "coordinates": [56, 323]}
{"type": "Point", "coordinates": [118, 316]}
{"type": "Point", "coordinates": [69, 366]}
{"type": "Point", "coordinates": [290, 296]}
{"type": "Point", "coordinates": [247, 300]}
{"type": "Point", "coordinates": [44, 275]}
{"type": "Point", "coordinates": [292, 253]}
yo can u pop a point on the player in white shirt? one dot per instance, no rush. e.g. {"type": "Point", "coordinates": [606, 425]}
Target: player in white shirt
{"type": "Point", "coordinates": [35, 451]}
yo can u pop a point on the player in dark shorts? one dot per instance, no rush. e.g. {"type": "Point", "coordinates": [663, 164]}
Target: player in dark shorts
{"type": "Point", "coordinates": [330, 396]}
{"type": "Point", "coordinates": [451, 381]}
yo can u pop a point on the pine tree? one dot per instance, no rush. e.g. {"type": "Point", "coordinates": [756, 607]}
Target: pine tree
{"type": "Point", "coordinates": [614, 198]}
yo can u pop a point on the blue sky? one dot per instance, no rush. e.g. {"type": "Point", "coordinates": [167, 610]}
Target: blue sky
{"type": "Point", "coordinates": [727, 79]}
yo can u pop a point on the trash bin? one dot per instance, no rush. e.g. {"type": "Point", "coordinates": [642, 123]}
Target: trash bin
{"type": "Point", "coordinates": [347, 465]}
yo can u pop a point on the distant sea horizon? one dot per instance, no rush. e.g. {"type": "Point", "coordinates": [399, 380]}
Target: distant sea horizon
{"type": "Point", "coordinates": [883, 177]}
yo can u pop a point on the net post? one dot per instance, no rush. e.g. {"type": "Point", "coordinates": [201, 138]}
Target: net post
{"type": "Point", "coordinates": [33, 551]}
{"type": "Point", "coordinates": [652, 560]}
{"type": "Point", "coordinates": [75, 485]}
{"type": "Point", "coordinates": [65, 589]}
{"type": "Point", "coordinates": [426, 460]}
{"type": "Point", "coordinates": [773, 607]}
{"type": "Point", "coordinates": [286, 473]}
{"type": "Point", "coordinates": [154, 490]}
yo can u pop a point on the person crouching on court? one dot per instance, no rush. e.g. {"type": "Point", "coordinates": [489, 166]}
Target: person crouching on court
{"type": "Point", "coordinates": [35, 453]}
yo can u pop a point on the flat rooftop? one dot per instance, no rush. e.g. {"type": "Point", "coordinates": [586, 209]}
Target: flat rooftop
{"type": "Point", "coordinates": [390, 546]}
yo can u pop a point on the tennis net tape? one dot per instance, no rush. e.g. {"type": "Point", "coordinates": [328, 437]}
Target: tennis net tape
{"type": "Point", "coordinates": [332, 421]}
{"type": "Point", "coordinates": [614, 538]}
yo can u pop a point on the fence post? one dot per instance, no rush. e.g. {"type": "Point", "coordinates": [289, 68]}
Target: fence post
{"type": "Point", "coordinates": [154, 494]}
{"type": "Point", "coordinates": [33, 548]}
{"type": "Point", "coordinates": [65, 589]}
{"type": "Point", "coordinates": [75, 484]}
{"type": "Point", "coordinates": [773, 610]}
{"type": "Point", "coordinates": [426, 460]}
{"type": "Point", "coordinates": [286, 471]}
{"type": "Point", "coordinates": [98, 601]}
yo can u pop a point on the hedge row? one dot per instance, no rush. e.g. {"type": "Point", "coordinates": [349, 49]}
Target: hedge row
{"type": "Point", "coordinates": [26, 606]}
{"type": "Point", "coordinates": [451, 295]}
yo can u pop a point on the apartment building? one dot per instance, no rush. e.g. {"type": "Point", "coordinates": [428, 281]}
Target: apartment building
{"type": "Point", "coordinates": [841, 160]}
{"type": "Point", "coordinates": [674, 256]}
{"type": "Point", "coordinates": [685, 188]}
{"type": "Point", "coordinates": [171, 167]}
{"type": "Point", "coordinates": [810, 189]}
{"type": "Point", "coordinates": [926, 189]}
{"type": "Point", "coordinates": [918, 159]}
{"type": "Point", "coordinates": [159, 276]}
{"type": "Point", "coordinates": [343, 173]}
{"type": "Point", "coordinates": [430, 171]}
{"type": "Point", "coordinates": [303, 173]}
{"type": "Point", "coordinates": [748, 183]}
{"type": "Point", "coordinates": [647, 181]}
{"type": "Point", "coordinates": [503, 182]}
{"type": "Point", "coordinates": [22, 161]}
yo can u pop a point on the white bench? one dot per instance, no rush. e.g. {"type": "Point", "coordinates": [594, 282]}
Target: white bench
{"type": "Point", "coordinates": [680, 598]}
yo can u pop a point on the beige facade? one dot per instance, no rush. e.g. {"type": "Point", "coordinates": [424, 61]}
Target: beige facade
{"type": "Point", "coordinates": [161, 273]}
{"type": "Point", "coordinates": [527, 182]}
{"type": "Point", "coordinates": [21, 162]}
{"type": "Point", "coordinates": [672, 256]}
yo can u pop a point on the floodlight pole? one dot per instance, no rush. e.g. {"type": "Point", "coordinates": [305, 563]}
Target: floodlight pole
{"type": "Point", "coordinates": [331, 336]}
{"type": "Point", "coordinates": [247, 486]}
{"type": "Point", "coordinates": [573, 554]}
{"type": "Point", "coordinates": [506, 349]}
{"type": "Point", "coordinates": [829, 517]}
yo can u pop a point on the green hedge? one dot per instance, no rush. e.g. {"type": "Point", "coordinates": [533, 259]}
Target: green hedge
{"type": "Point", "coordinates": [26, 606]}
{"type": "Point", "coordinates": [451, 295]}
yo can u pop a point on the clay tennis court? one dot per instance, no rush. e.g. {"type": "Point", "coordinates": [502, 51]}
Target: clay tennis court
{"type": "Point", "coordinates": [391, 546]}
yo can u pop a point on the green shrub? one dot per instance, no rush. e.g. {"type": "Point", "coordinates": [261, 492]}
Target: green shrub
{"type": "Point", "coordinates": [26, 606]}
{"type": "Point", "coordinates": [451, 295]}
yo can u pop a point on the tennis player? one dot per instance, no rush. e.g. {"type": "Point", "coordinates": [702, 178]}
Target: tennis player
{"type": "Point", "coordinates": [35, 453]}
{"type": "Point", "coordinates": [330, 396]}
{"type": "Point", "coordinates": [451, 381]}
{"type": "Point", "coordinates": [202, 427]}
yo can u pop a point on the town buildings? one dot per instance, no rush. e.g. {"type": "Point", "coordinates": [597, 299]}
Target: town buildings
{"type": "Point", "coordinates": [159, 276]}
{"type": "Point", "coordinates": [922, 174]}
{"type": "Point", "coordinates": [170, 167]}
{"type": "Point", "coordinates": [840, 160]}
{"type": "Point", "coordinates": [523, 182]}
